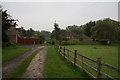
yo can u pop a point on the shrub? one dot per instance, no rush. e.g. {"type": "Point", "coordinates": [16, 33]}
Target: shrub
{"type": "Point", "coordinates": [64, 43]}
{"type": "Point", "coordinates": [71, 41]}
{"type": "Point", "coordinates": [81, 39]}
{"type": "Point", "coordinates": [6, 44]}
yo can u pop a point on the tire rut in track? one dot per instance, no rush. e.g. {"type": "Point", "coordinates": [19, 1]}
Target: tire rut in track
{"type": "Point", "coordinates": [9, 66]}
{"type": "Point", "coordinates": [36, 67]}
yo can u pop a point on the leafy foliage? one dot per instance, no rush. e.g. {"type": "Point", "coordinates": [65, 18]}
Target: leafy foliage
{"type": "Point", "coordinates": [87, 28]}
{"type": "Point", "coordinates": [71, 41]}
{"type": "Point", "coordinates": [7, 22]}
{"type": "Point", "coordinates": [46, 34]}
{"type": "Point", "coordinates": [57, 29]}
{"type": "Point", "coordinates": [105, 30]}
{"type": "Point", "coordinates": [98, 30]}
{"type": "Point", "coordinates": [30, 33]}
{"type": "Point", "coordinates": [74, 28]}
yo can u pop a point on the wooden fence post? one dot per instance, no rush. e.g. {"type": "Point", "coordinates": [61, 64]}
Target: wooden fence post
{"type": "Point", "coordinates": [59, 49]}
{"type": "Point", "coordinates": [64, 52]}
{"type": "Point", "coordinates": [98, 68]}
{"type": "Point", "coordinates": [75, 55]}
{"type": "Point", "coordinates": [68, 54]}
{"type": "Point", "coordinates": [82, 63]}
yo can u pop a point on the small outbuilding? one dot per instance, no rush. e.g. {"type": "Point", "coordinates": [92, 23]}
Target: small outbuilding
{"type": "Point", "coordinates": [15, 36]}
{"type": "Point", "coordinates": [28, 41]}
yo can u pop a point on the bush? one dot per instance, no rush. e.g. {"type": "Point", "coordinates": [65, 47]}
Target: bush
{"type": "Point", "coordinates": [6, 44]}
{"type": "Point", "coordinates": [81, 39]}
{"type": "Point", "coordinates": [64, 42]}
{"type": "Point", "coordinates": [71, 42]}
{"type": "Point", "coordinates": [104, 42]}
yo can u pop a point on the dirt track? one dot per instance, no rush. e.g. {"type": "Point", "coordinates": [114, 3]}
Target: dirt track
{"type": "Point", "coordinates": [36, 67]}
{"type": "Point", "coordinates": [10, 65]}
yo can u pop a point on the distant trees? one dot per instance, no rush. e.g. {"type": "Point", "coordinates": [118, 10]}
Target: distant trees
{"type": "Point", "coordinates": [74, 28]}
{"type": "Point", "coordinates": [56, 35]}
{"type": "Point", "coordinates": [30, 33]}
{"type": "Point", "coordinates": [56, 29]}
{"type": "Point", "coordinates": [87, 28]}
{"type": "Point", "coordinates": [105, 30]}
{"type": "Point", "coordinates": [46, 35]}
{"type": "Point", "coordinates": [41, 37]}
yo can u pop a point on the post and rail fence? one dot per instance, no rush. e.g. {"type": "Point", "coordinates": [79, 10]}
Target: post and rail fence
{"type": "Point", "coordinates": [77, 57]}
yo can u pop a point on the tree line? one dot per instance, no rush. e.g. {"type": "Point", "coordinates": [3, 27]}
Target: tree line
{"type": "Point", "coordinates": [103, 30]}
{"type": "Point", "coordinates": [30, 33]}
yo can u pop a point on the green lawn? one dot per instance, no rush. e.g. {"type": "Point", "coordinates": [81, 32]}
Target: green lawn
{"type": "Point", "coordinates": [109, 54]}
{"type": "Point", "coordinates": [57, 67]}
{"type": "Point", "coordinates": [12, 52]}
{"type": "Point", "coordinates": [19, 70]}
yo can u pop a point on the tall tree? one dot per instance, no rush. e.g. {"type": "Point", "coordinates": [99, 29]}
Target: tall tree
{"type": "Point", "coordinates": [30, 33]}
{"type": "Point", "coordinates": [57, 29]}
{"type": "Point", "coordinates": [105, 30]}
{"type": "Point", "coordinates": [87, 28]}
{"type": "Point", "coordinates": [7, 22]}
{"type": "Point", "coordinates": [23, 31]}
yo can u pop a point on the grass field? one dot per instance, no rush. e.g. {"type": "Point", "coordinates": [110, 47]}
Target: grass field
{"type": "Point", "coordinates": [12, 52]}
{"type": "Point", "coordinates": [19, 70]}
{"type": "Point", "coordinates": [57, 67]}
{"type": "Point", "coordinates": [109, 54]}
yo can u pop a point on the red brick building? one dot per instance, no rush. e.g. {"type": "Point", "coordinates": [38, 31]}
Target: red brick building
{"type": "Point", "coordinates": [15, 36]}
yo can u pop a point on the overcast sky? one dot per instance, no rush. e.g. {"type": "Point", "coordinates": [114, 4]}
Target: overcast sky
{"type": "Point", "coordinates": [42, 15]}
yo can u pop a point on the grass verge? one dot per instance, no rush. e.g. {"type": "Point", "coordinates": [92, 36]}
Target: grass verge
{"type": "Point", "coordinates": [12, 52]}
{"type": "Point", "coordinates": [57, 67]}
{"type": "Point", "coordinates": [18, 71]}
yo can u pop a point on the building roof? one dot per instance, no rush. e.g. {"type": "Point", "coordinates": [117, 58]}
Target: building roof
{"type": "Point", "coordinates": [84, 36]}
{"type": "Point", "coordinates": [12, 32]}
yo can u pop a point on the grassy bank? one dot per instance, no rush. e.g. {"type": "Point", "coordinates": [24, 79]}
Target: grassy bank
{"type": "Point", "coordinates": [12, 52]}
{"type": "Point", "coordinates": [57, 67]}
{"type": "Point", "coordinates": [18, 71]}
